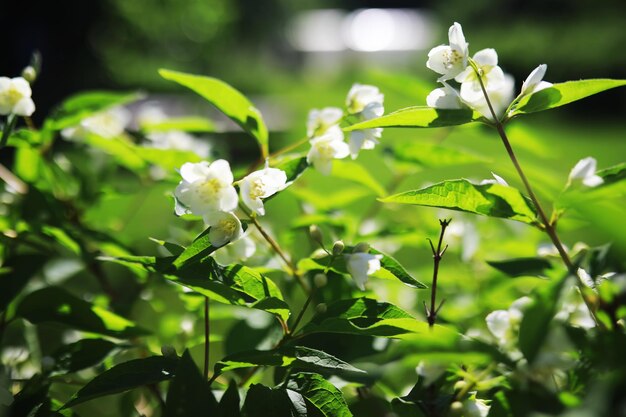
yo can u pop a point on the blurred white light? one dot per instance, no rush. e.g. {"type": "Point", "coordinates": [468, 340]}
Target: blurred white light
{"type": "Point", "coordinates": [318, 31]}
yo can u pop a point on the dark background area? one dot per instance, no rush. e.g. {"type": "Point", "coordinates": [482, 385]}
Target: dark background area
{"type": "Point", "coordinates": [119, 44]}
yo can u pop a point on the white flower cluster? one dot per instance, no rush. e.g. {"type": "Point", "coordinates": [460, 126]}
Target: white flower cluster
{"type": "Point", "coordinates": [108, 124]}
{"type": "Point", "coordinates": [364, 102]}
{"type": "Point", "coordinates": [453, 62]}
{"type": "Point", "coordinates": [207, 190]}
{"type": "Point", "coordinates": [15, 97]}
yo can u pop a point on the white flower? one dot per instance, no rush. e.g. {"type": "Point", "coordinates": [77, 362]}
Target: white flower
{"type": "Point", "coordinates": [363, 139]}
{"type": "Point", "coordinates": [15, 97]}
{"type": "Point", "coordinates": [237, 251]}
{"type": "Point", "coordinates": [473, 407]}
{"type": "Point", "coordinates": [430, 371]}
{"type": "Point", "coordinates": [261, 184]}
{"type": "Point", "coordinates": [573, 309]}
{"type": "Point", "coordinates": [496, 180]}
{"type": "Point", "coordinates": [225, 227]}
{"type": "Point", "coordinates": [500, 95]}
{"type": "Point", "coordinates": [360, 96]}
{"type": "Point", "coordinates": [206, 188]}
{"type": "Point", "coordinates": [362, 264]}
{"type": "Point", "coordinates": [107, 124]}
{"type": "Point", "coordinates": [491, 75]}
{"type": "Point", "coordinates": [450, 60]}
{"type": "Point", "coordinates": [320, 121]}
{"type": "Point", "coordinates": [498, 323]}
{"type": "Point", "coordinates": [327, 147]}
{"type": "Point", "coordinates": [177, 139]}
{"type": "Point", "coordinates": [585, 172]}
{"type": "Point", "coordinates": [504, 324]}
{"type": "Point", "coordinates": [533, 82]}
{"type": "Point", "coordinates": [445, 97]}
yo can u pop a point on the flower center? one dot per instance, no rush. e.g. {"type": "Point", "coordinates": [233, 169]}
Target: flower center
{"type": "Point", "coordinates": [326, 150]}
{"type": "Point", "coordinates": [228, 226]}
{"type": "Point", "coordinates": [13, 96]}
{"type": "Point", "coordinates": [451, 58]}
{"type": "Point", "coordinates": [209, 188]}
{"type": "Point", "coordinates": [257, 188]}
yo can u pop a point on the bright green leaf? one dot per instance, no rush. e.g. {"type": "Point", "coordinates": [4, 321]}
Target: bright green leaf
{"type": "Point", "coordinates": [186, 124]}
{"type": "Point", "coordinates": [432, 155]}
{"type": "Point", "coordinates": [494, 200]}
{"type": "Point", "coordinates": [54, 304]}
{"type": "Point", "coordinates": [563, 93]}
{"type": "Point", "coordinates": [418, 116]}
{"type": "Point", "coordinates": [126, 376]}
{"type": "Point", "coordinates": [613, 174]}
{"type": "Point", "coordinates": [199, 248]}
{"type": "Point", "coordinates": [228, 100]}
{"type": "Point", "coordinates": [352, 171]}
{"type": "Point", "coordinates": [323, 395]}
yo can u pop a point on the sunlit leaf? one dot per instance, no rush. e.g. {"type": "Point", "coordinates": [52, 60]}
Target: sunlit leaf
{"type": "Point", "coordinates": [613, 174]}
{"type": "Point", "coordinates": [363, 316]}
{"type": "Point", "coordinates": [120, 148]}
{"type": "Point", "coordinates": [563, 93]}
{"type": "Point", "coordinates": [419, 116]}
{"type": "Point", "coordinates": [168, 159]}
{"type": "Point", "coordinates": [189, 393]}
{"type": "Point", "coordinates": [199, 248]}
{"type": "Point", "coordinates": [126, 376]}
{"type": "Point", "coordinates": [433, 155]}
{"type": "Point", "coordinates": [185, 124]}
{"type": "Point", "coordinates": [494, 200]}
{"type": "Point", "coordinates": [320, 393]}
{"type": "Point", "coordinates": [352, 171]}
{"type": "Point", "coordinates": [54, 304]}
{"type": "Point", "coordinates": [228, 100]}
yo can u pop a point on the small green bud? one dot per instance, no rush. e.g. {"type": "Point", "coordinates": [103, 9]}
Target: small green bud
{"type": "Point", "coordinates": [316, 234]}
{"type": "Point", "coordinates": [456, 409]}
{"type": "Point", "coordinates": [321, 308]}
{"type": "Point", "coordinates": [168, 350]}
{"type": "Point", "coordinates": [29, 74]}
{"type": "Point", "coordinates": [320, 280]}
{"type": "Point", "coordinates": [338, 248]}
{"type": "Point", "coordinates": [361, 247]}
{"type": "Point", "coordinates": [460, 385]}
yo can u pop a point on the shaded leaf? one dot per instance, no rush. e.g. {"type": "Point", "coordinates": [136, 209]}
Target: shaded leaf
{"type": "Point", "coordinates": [613, 174]}
{"type": "Point", "coordinates": [15, 274]}
{"type": "Point", "coordinates": [563, 93]}
{"type": "Point", "coordinates": [262, 401]}
{"type": "Point", "coordinates": [494, 200]}
{"type": "Point", "coordinates": [54, 304]}
{"type": "Point", "coordinates": [189, 393]}
{"type": "Point", "coordinates": [228, 100]}
{"type": "Point", "coordinates": [82, 354]}
{"type": "Point", "coordinates": [419, 116]}
{"type": "Point", "coordinates": [520, 267]}
{"type": "Point", "coordinates": [320, 393]}
{"type": "Point", "coordinates": [320, 360]}
{"type": "Point", "coordinates": [293, 167]}
{"type": "Point", "coordinates": [126, 376]}
{"type": "Point", "coordinates": [229, 403]}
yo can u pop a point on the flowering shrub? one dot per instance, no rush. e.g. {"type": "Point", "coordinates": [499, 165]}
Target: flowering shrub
{"type": "Point", "coordinates": [245, 306]}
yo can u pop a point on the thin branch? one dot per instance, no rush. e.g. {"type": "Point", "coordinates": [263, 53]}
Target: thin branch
{"type": "Point", "coordinates": [431, 313]}
{"type": "Point", "coordinates": [207, 336]}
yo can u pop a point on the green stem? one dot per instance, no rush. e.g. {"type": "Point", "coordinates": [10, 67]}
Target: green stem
{"type": "Point", "coordinates": [207, 336]}
{"type": "Point", "coordinates": [8, 128]}
{"type": "Point", "coordinates": [303, 310]}
{"type": "Point", "coordinates": [437, 255]}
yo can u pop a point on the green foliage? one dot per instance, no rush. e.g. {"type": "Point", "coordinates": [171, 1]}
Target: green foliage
{"type": "Point", "coordinates": [419, 117]}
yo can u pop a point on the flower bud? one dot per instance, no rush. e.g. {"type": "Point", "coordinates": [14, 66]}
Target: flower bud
{"type": "Point", "coordinates": [29, 74]}
{"type": "Point", "coordinates": [460, 385]}
{"type": "Point", "coordinates": [168, 350]}
{"type": "Point", "coordinates": [321, 308]}
{"type": "Point", "coordinates": [338, 248]}
{"type": "Point", "coordinates": [320, 280]}
{"type": "Point", "coordinates": [456, 409]}
{"type": "Point", "coordinates": [316, 234]}
{"type": "Point", "coordinates": [361, 247]}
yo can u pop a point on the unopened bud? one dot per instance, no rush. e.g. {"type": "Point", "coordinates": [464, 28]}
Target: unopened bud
{"type": "Point", "coordinates": [338, 248]}
{"type": "Point", "coordinates": [321, 308]}
{"type": "Point", "coordinates": [168, 350]}
{"type": "Point", "coordinates": [316, 234]}
{"type": "Point", "coordinates": [456, 409]}
{"type": "Point", "coordinates": [361, 247]}
{"type": "Point", "coordinates": [320, 280]}
{"type": "Point", "coordinates": [29, 74]}
{"type": "Point", "coordinates": [460, 385]}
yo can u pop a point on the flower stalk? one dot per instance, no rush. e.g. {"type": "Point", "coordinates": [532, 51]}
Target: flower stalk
{"type": "Point", "coordinates": [431, 313]}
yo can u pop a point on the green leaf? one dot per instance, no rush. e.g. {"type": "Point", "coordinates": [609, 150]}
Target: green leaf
{"type": "Point", "coordinates": [186, 124]}
{"type": "Point", "coordinates": [433, 155]}
{"type": "Point", "coordinates": [293, 167]}
{"type": "Point", "coordinates": [320, 393]}
{"type": "Point", "coordinates": [296, 356]}
{"type": "Point", "coordinates": [357, 173]}
{"type": "Point", "coordinates": [494, 200]}
{"type": "Point", "coordinates": [189, 393]}
{"type": "Point", "coordinates": [613, 174]}
{"type": "Point", "coordinates": [262, 401]}
{"type": "Point", "coordinates": [83, 105]}
{"type": "Point", "coordinates": [419, 116]}
{"type": "Point", "coordinates": [54, 304]}
{"type": "Point", "coordinates": [563, 93]}
{"type": "Point", "coordinates": [363, 316]}
{"type": "Point", "coordinates": [199, 248]}
{"type": "Point", "coordinates": [521, 267]}
{"type": "Point", "coordinates": [126, 376]}
{"type": "Point", "coordinates": [228, 100]}
{"type": "Point", "coordinates": [168, 159]}
{"type": "Point", "coordinates": [82, 354]}
{"type": "Point", "coordinates": [535, 324]}
{"type": "Point", "coordinates": [124, 152]}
